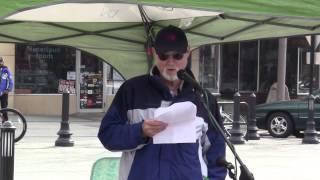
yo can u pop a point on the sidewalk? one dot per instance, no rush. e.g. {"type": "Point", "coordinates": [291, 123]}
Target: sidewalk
{"type": "Point", "coordinates": [280, 159]}
{"type": "Point", "coordinates": [37, 158]}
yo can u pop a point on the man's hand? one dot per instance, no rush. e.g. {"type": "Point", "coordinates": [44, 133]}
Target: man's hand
{"type": "Point", "coordinates": [151, 127]}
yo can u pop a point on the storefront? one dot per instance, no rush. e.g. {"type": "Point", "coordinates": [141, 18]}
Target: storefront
{"type": "Point", "coordinates": [252, 66]}
{"type": "Point", "coordinates": [43, 73]}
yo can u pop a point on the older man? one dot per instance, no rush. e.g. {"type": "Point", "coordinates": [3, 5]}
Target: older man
{"type": "Point", "coordinates": [129, 125]}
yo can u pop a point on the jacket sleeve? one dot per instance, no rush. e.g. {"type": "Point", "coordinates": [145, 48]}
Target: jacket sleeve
{"type": "Point", "coordinates": [116, 133]}
{"type": "Point", "coordinates": [215, 151]}
{"type": "Point", "coordinates": [216, 147]}
{"type": "Point", "coordinates": [9, 84]}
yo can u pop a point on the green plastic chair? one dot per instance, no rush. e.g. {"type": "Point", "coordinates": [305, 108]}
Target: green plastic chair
{"type": "Point", "coordinates": [106, 168]}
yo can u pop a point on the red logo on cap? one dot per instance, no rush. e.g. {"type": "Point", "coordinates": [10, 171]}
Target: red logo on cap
{"type": "Point", "coordinates": [171, 37]}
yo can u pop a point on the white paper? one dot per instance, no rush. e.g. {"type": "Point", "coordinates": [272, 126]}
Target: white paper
{"type": "Point", "coordinates": [181, 120]}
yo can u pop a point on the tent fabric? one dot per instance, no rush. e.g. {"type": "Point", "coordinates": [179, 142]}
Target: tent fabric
{"type": "Point", "coordinates": [122, 43]}
{"type": "Point", "coordinates": [102, 12]}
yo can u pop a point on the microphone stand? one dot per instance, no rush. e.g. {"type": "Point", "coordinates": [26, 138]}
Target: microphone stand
{"type": "Point", "coordinates": [184, 75]}
{"type": "Point", "coordinates": [245, 173]}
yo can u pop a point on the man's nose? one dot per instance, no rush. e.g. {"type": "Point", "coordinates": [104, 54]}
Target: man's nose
{"type": "Point", "coordinates": [171, 59]}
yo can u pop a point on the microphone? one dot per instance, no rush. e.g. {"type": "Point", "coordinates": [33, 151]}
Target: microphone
{"type": "Point", "coordinates": [183, 75]}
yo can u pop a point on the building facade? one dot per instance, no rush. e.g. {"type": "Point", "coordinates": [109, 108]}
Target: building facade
{"type": "Point", "coordinates": [252, 66]}
{"type": "Point", "coordinates": [42, 73]}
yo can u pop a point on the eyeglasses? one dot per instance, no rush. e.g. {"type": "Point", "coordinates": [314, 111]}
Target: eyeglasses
{"type": "Point", "coordinates": [175, 56]}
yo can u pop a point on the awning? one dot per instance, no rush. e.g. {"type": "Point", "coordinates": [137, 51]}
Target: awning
{"type": "Point", "coordinates": [120, 31]}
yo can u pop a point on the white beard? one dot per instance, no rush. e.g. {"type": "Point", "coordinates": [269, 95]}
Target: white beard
{"type": "Point", "coordinates": [168, 77]}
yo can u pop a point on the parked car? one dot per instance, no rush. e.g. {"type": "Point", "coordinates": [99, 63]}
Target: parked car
{"type": "Point", "coordinates": [285, 118]}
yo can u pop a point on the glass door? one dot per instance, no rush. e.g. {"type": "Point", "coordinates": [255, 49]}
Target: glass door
{"type": "Point", "coordinates": [90, 84]}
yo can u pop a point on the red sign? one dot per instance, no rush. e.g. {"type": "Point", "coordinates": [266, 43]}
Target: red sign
{"type": "Point", "coordinates": [67, 86]}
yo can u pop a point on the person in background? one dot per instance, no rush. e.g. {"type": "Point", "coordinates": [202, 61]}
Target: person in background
{"type": "Point", "coordinates": [129, 125]}
{"type": "Point", "coordinates": [6, 84]}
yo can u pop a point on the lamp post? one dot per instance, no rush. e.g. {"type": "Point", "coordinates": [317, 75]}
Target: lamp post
{"type": "Point", "coordinates": [64, 133]}
{"type": "Point", "coordinates": [310, 134]}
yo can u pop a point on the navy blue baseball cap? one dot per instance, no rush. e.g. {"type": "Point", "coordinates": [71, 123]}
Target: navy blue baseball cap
{"type": "Point", "coordinates": [171, 38]}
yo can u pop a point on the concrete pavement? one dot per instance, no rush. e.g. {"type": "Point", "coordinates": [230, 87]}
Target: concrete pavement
{"type": "Point", "coordinates": [36, 157]}
{"type": "Point", "coordinates": [280, 159]}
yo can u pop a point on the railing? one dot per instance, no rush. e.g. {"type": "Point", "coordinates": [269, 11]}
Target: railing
{"type": "Point", "coordinates": [227, 116]}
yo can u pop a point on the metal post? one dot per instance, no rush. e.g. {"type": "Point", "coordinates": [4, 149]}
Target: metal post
{"type": "Point", "coordinates": [310, 134]}
{"type": "Point", "coordinates": [7, 151]}
{"type": "Point", "coordinates": [64, 132]}
{"type": "Point", "coordinates": [312, 51]}
{"type": "Point", "coordinates": [236, 133]}
{"type": "Point", "coordinates": [252, 128]}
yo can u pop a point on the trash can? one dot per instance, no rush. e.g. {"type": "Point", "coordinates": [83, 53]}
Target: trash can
{"type": "Point", "coordinates": [7, 151]}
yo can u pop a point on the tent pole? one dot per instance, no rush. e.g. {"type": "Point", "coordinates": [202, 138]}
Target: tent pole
{"type": "Point", "coordinates": [148, 31]}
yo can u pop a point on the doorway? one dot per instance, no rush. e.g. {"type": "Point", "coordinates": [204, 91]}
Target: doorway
{"type": "Point", "coordinates": [91, 76]}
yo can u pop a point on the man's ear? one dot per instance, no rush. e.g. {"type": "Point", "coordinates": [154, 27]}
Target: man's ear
{"type": "Point", "coordinates": [153, 50]}
{"type": "Point", "coordinates": [154, 53]}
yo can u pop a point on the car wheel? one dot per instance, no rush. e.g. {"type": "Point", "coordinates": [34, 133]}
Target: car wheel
{"type": "Point", "coordinates": [279, 125]}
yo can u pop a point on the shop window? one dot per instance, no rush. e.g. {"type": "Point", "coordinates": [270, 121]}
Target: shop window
{"type": "Point", "coordinates": [229, 70]}
{"type": "Point", "coordinates": [91, 82]}
{"type": "Point", "coordinates": [248, 66]}
{"type": "Point", "coordinates": [268, 64]}
{"type": "Point", "coordinates": [39, 68]}
{"type": "Point", "coordinates": [239, 68]}
{"type": "Point", "coordinates": [208, 68]}
{"type": "Point", "coordinates": [293, 52]}
{"type": "Point", "coordinates": [114, 80]}
{"type": "Point", "coordinates": [303, 66]}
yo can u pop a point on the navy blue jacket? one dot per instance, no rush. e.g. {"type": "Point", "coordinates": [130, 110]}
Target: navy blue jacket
{"type": "Point", "coordinates": [121, 130]}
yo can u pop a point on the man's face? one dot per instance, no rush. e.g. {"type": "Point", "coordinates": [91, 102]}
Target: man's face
{"type": "Point", "coordinates": [170, 63]}
{"type": "Point", "coordinates": [1, 62]}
